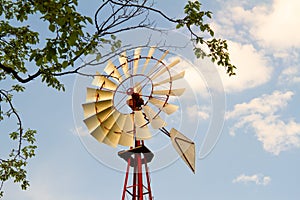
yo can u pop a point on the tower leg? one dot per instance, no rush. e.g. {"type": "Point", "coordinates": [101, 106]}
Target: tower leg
{"type": "Point", "coordinates": [134, 183]}
{"type": "Point", "coordinates": [140, 177]}
{"type": "Point", "coordinates": [126, 180]}
{"type": "Point", "coordinates": [148, 180]}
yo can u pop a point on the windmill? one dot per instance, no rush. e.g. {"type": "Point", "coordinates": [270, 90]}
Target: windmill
{"type": "Point", "coordinates": [125, 107]}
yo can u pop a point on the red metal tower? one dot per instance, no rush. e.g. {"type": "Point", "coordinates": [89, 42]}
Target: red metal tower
{"type": "Point", "coordinates": [137, 158]}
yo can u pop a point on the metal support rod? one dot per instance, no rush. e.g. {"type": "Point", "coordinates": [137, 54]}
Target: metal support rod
{"type": "Point", "coordinates": [148, 180]}
{"type": "Point", "coordinates": [140, 177]}
{"type": "Point", "coordinates": [165, 131]}
{"type": "Point", "coordinates": [134, 182]}
{"type": "Point", "coordinates": [147, 176]}
{"type": "Point", "coordinates": [139, 172]}
{"type": "Point", "coordinates": [135, 166]}
{"type": "Point", "coordinates": [126, 180]}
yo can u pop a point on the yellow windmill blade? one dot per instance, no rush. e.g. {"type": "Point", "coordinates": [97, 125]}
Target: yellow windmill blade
{"type": "Point", "coordinates": [143, 133]}
{"type": "Point", "coordinates": [170, 79]}
{"type": "Point", "coordinates": [138, 87]}
{"type": "Point", "coordinates": [163, 106]}
{"type": "Point", "coordinates": [155, 120]}
{"type": "Point", "coordinates": [98, 133]}
{"type": "Point", "coordinates": [127, 137]}
{"type": "Point", "coordinates": [112, 71]}
{"type": "Point", "coordinates": [93, 108]}
{"type": "Point", "coordinates": [124, 64]}
{"type": "Point", "coordinates": [173, 92]}
{"type": "Point", "coordinates": [93, 121]}
{"type": "Point", "coordinates": [163, 70]}
{"type": "Point", "coordinates": [93, 95]}
{"type": "Point", "coordinates": [103, 82]}
{"type": "Point", "coordinates": [136, 57]}
{"type": "Point", "coordinates": [114, 132]}
{"type": "Point", "coordinates": [158, 63]}
{"type": "Point", "coordinates": [142, 130]}
{"type": "Point", "coordinates": [113, 137]}
{"type": "Point", "coordinates": [149, 56]}
{"type": "Point", "coordinates": [101, 131]}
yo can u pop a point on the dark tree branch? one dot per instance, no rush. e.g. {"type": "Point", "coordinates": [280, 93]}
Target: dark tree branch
{"type": "Point", "coordinates": [19, 121]}
{"type": "Point", "coordinates": [96, 14]}
{"type": "Point", "coordinates": [112, 16]}
{"type": "Point", "coordinates": [146, 8]}
{"type": "Point", "coordinates": [16, 76]}
{"type": "Point", "coordinates": [1, 185]}
{"type": "Point", "coordinates": [13, 166]}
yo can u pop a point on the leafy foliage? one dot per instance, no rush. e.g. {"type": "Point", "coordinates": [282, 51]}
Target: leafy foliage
{"type": "Point", "coordinates": [21, 44]}
{"type": "Point", "coordinates": [218, 49]}
{"type": "Point", "coordinates": [13, 167]}
{"type": "Point", "coordinates": [51, 51]}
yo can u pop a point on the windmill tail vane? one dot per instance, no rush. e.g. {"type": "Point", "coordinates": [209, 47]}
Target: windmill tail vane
{"type": "Point", "coordinates": [123, 104]}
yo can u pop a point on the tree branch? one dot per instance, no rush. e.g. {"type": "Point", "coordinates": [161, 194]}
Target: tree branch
{"type": "Point", "coordinates": [13, 166]}
{"type": "Point", "coordinates": [147, 8]}
{"type": "Point", "coordinates": [19, 121]}
{"type": "Point", "coordinates": [16, 76]}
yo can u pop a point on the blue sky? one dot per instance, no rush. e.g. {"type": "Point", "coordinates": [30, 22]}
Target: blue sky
{"type": "Point", "coordinates": [257, 155]}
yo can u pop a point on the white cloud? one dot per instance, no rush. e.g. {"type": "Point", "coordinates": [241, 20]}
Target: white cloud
{"type": "Point", "coordinates": [266, 104]}
{"type": "Point", "coordinates": [197, 111]}
{"type": "Point", "coordinates": [281, 27]}
{"type": "Point", "coordinates": [261, 115]}
{"type": "Point", "coordinates": [258, 179]}
{"type": "Point", "coordinates": [289, 75]}
{"type": "Point", "coordinates": [275, 26]}
{"type": "Point", "coordinates": [252, 70]}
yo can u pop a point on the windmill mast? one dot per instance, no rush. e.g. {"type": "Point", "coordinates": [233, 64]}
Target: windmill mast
{"type": "Point", "coordinates": [137, 157]}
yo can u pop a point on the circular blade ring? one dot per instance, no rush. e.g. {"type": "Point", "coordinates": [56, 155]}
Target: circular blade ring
{"type": "Point", "coordinates": [130, 87]}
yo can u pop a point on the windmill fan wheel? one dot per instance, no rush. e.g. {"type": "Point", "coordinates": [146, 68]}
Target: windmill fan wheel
{"type": "Point", "coordinates": [129, 97]}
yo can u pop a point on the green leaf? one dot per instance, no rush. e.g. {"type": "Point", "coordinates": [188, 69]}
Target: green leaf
{"type": "Point", "coordinates": [113, 37]}
{"type": "Point", "coordinates": [65, 64]}
{"type": "Point", "coordinates": [98, 57]}
{"type": "Point", "coordinates": [18, 88]}
{"type": "Point", "coordinates": [14, 135]}
{"type": "Point", "coordinates": [52, 27]}
{"type": "Point", "coordinates": [90, 20]}
{"type": "Point", "coordinates": [179, 26]}
{"type": "Point", "coordinates": [72, 39]}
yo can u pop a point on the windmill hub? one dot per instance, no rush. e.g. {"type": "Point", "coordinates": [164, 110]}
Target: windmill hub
{"type": "Point", "coordinates": [130, 91]}
{"type": "Point", "coordinates": [136, 102]}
